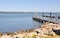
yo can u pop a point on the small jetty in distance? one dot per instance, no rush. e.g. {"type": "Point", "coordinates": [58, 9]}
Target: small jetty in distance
{"type": "Point", "coordinates": [44, 18]}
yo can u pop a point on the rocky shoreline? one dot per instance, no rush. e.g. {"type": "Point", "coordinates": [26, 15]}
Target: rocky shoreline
{"type": "Point", "coordinates": [47, 30]}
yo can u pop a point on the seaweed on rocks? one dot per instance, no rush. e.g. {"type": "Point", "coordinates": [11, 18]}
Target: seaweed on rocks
{"type": "Point", "coordinates": [56, 31]}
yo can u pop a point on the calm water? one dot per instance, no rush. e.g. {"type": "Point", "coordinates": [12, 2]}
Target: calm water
{"type": "Point", "coordinates": [11, 22]}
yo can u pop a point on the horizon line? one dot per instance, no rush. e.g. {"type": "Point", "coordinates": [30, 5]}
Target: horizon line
{"type": "Point", "coordinates": [25, 11]}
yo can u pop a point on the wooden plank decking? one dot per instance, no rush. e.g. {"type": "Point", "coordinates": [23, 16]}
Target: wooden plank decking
{"type": "Point", "coordinates": [45, 19]}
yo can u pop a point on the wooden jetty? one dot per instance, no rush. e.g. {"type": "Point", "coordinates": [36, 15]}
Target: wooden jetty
{"type": "Point", "coordinates": [45, 19]}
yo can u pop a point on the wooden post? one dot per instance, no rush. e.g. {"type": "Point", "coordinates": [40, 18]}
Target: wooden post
{"type": "Point", "coordinates": [43, 14]}
{"type": "Point", "coordinates": [56, 18]}
{"type": "Point", "coordinates": [36, 15]}
{"type": "Point", "coordinates": [50, 14]}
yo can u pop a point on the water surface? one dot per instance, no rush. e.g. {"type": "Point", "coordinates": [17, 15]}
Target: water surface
{"type": "Point", "coordinates": [11, 22]}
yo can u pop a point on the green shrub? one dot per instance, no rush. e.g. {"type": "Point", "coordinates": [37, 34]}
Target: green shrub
{"type": "Point", "coordinates": [34, 36]}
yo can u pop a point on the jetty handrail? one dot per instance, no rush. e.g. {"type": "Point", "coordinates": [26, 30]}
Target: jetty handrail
{"type": "Point", "coordinates": [48, 19]}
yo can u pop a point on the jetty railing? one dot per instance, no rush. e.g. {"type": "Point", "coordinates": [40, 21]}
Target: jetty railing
{"type": "Point", "coordinates": [41, 18]}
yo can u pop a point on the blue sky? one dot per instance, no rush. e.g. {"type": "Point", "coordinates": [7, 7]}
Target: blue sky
{"type": "Point", "coordinates": [30, 5]}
